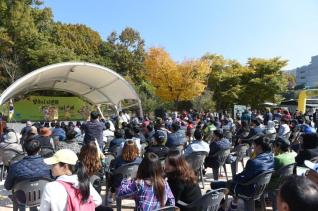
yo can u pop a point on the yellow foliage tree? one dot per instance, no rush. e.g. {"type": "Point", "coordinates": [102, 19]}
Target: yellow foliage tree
{"type": "Point", "coordinates": [173, 81]}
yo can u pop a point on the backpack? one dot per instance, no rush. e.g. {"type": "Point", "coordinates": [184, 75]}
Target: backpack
{"type": "Point", "coordinates": [74, 199]}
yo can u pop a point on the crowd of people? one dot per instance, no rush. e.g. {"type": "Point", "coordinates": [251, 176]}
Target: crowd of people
{"type": "Point", "coordinates": [161, 147]}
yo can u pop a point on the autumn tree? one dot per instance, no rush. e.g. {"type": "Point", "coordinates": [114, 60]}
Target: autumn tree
{"type": "Point", "coordinates": [173, 81]}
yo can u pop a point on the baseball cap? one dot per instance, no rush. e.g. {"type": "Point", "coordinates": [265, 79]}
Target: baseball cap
{"type": "Point", "coordinates": [63, 156]}
{"type": "Point", "coordinates": [159, 135]}
{"type": "Point", "coordinates": [311, 165]}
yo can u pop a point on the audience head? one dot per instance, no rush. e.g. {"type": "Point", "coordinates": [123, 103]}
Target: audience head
{"type": "Point", "coordinates": [107, 125]}
{"type": "Point", "coordinates": [44, 131]}
{"type": "Point", "coordinates": [89, 157]}
{"type": "Point", "coordinates": [218, 134]}
{"type": "Point", "coordinates": [129, 134]}
{"type": "Point", "coordinates": [297, 193]}
{"type": "Point", "coordinates": [261, 144]}
{"type": "Point", "coordinates": [175, 126]}
{"type": "Point", "coordinates": [159, 137]}
{"type": "Point", "coordinates": [198, 134]}
{"type": "Point", "coordinates": [281, 145]}
{"type": "Point", "coordinates": [119, 133]}
{"type": "Point", "coordinates": [151, 169]}
{"type": "Point", "coordinates": [178, 168]}
{"type": "Point", "coordinates": [71, 134]}
{"type": "Point", "coordinates": [32, 147]}
{"type": "Point", "coordinates": [310, 141]}
{"type": "Point", "coordinates": [130, 151]}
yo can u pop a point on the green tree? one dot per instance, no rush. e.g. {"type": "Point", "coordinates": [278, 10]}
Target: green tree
{"type": "Point", "coordinates": [126, 52]}
{"type": "Point", "coordinates": [264, 82]}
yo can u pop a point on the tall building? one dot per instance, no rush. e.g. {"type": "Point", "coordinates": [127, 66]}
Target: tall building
{"type": "Point", "coordinates": [307, 75]}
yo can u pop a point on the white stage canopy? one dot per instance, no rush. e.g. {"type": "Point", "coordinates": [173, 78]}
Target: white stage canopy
{"type": "Point", "coordinates": [95, 83]}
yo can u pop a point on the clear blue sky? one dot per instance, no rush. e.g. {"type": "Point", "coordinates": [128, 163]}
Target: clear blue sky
{"type": "Point", "coordinates": [237, 29]}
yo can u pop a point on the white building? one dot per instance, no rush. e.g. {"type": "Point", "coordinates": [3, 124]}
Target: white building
{"type": "Point", "coordinates": [308, 75]}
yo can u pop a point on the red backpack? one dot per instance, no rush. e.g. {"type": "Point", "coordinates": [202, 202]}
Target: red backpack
{"type": "Point", "coordinates": [74, 199]}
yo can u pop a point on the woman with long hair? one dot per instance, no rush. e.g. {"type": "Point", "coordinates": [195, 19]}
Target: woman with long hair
{"type": "Point", "coordinates": [182, 179]}
{"type": "Point", "coordinates": [90, 157]}
{"type": "Point", "coordinates": [149, 188]}
{"type": "Point", "coordinates": [69, 182]}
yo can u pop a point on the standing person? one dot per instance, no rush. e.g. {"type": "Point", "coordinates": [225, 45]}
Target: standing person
{"type": "Point", "coordinates": [93, 129]}
{"type": "Point", "coordinates": [56, 195]}
{"type": "Point", "coordinates": [182, 180]}
{"type": "Point", "coordinates": [268, 116]}
{"type": "Point", "coordinates": [149, 188]}
{"type": "Point", "coordinates": [25, 131]}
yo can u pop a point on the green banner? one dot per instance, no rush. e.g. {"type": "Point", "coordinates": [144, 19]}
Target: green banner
{"type": "Point", "coordinates": [51, 108]}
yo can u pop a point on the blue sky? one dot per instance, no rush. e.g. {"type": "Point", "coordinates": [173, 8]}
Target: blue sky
{"type": "Point", "coordinates": [237, 29]}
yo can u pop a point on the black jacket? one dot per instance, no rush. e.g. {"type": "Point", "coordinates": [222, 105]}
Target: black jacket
{"type": "Point", "coordinates": [185, 192]}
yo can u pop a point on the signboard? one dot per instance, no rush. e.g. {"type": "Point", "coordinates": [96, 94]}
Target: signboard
{"type": "Point", "coordinates": [51, 108]}
{"type": "Point", "coordinates": [238, 110]}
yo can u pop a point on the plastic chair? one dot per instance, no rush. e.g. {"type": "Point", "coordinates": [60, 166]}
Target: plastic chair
{"type": "Point", "coordinates": [208, 202]}
{"type": "Point", "coordinates": [287, 170]}
{"type": "Point", "coordinates": [259, 182]}
{"type": "Point", "coordinates": [9, 156]}
{"type": "Point", "coordinates": [196, 160]}
{"type": "Point", "coordinates": [167, 208]}
{"type": "Point", "coordinates": [46, 151]}
{"type": "Point", "coordinates": [96, 182]}
{"type": "Point", "coordinates": [240, 152]}
{"type": "Point", "coordinates": [125, 171]}
{"type": "Point", "coordinates": [28, 193]}
{"type": "Point", "coordinates": [220, 157]}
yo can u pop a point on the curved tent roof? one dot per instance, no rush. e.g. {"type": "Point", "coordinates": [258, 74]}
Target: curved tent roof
{"type": "Point", "coordinates": [95, 83]}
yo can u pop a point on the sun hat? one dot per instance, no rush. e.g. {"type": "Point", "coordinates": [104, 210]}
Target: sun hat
{"type": "Point", "coordinates": [45, 131]}
{"type": "Point", "coordinates": [311, 165]}
{"type": "Point", "coordinates": [11, 137]}
{"type": "Point", "coordinates": [33, 130]}
{"type": "Point", "coordinates": [63, 156]}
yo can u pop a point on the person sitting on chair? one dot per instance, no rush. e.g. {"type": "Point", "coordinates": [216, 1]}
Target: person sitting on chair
{"type": "Point", "coordinates": [263, 161]}
{"type": "Point", "coordinates": [158, 147]}
{"type": "Point", "coordinates": [198, 145]}
{"type": "Point", "coordinates": [32, 166]}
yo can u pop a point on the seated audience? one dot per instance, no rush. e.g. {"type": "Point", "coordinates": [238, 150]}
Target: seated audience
{"type": "Point", "coordinates": [309, 148]}
{"type": "Point", "coordinates": [70, 142]}
{"type": "Point", "coordinates": [177, 137]}
{"type": "Point", "coordinates": [198, 145]}
{"type": "Point", "coordinates": [11, 141]}
{"type": "Point", "coordinates": [118, 140]}
{"type": "Point", "coordinates": [29, 167]}
{"type": "Point", "coordinates": [149, 188]}
{"type": "Point", "coordinates": [56, 195]}
{"type": "Point", "coordinates": [297, 194]}
{"type": "Point", "coordinates": [59, 132]}
{"type": "Point", "coordinates": [45, 137]}
{"type": "Point", "coordinates": [263, 161]}
{"type": "Point", "coordinates": [219, 143]}
{"type": "Point", "coordinates": [181, 179]}
{"type": "Point", "coordinates": [158, 146]}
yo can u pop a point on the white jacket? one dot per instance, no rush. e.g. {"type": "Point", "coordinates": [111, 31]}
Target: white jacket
{"type": "Point", "coordinates": [54, 196]}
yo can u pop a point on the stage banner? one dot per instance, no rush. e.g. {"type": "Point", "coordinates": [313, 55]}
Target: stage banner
{"type": "Point", "coordinates": [37, 108]}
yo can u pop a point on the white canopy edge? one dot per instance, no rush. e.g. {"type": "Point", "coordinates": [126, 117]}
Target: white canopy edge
{"type": "Point", "coordinates": [95, 83]}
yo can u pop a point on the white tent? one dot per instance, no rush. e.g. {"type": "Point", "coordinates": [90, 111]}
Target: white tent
{"type": "Point", "coordinates": [95, 83]}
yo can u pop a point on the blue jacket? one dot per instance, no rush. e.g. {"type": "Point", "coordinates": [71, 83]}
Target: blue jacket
{"type": "Point", "coordinates": [60, 132]}
{"type": "Point", "coordinates": [94, 130]}
{"type": "Point", "coordinates": [176, 138]}
{"type": "Point", "coordinates": [28, 168]}
{"type": "Point", "coordinates": [254, 167]}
